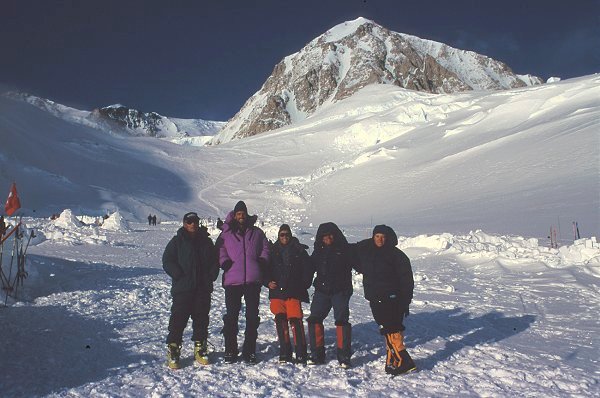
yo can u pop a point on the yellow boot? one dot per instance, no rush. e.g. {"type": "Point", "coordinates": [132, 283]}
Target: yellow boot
{"type": "Point", "coordinates": [173, 355]}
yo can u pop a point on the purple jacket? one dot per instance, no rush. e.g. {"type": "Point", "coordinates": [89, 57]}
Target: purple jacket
{"type": "Point", "coordinates": [244, 250]}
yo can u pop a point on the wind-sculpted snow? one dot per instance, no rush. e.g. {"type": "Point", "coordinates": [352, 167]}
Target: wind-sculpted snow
{"type": "Point", "coordinates": [69, 229]}
{"type": "Point", "coordinates": [516, 249]}
{"type": "Point", "coordinates": [490, 317]}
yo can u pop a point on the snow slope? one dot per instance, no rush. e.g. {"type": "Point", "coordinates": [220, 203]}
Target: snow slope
{"type": "Point", "coordinates": [496, 313]}
{"type": "Point", "coordinates": [516, 161]}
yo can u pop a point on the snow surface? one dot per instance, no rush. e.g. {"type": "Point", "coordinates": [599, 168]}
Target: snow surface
{"type": "Point", "coordinates": [492, 316]}
{"type": "Point", "coordinates": [472, 182]}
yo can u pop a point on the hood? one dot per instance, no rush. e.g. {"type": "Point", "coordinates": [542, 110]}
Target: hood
{"type": "Point", "coordinates": [391, 237]}
{"type": "Point", "coordinates": [330, 228]}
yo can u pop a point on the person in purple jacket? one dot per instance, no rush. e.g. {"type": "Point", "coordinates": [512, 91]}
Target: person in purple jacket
{"type": "Point", "coordinates": [243, 256]}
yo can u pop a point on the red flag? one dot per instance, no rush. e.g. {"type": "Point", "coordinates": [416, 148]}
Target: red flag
{"type": "Point", "coordinates": [12, 203]}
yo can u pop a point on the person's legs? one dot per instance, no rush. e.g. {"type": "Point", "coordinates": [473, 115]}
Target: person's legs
{"type": "Point", "coordinates": [181, 310]}
{"type": "Point", "coordinates": [319, 309]}
{"type": "Point", "coordinates": [252, 300]}
{"type": "Point", "coordinates": [294, 316]}
{"type": "Point", "coordinates": [341, 313]}
{"type": "Point", "coordinates": [233, 304]}
{"type": "Point", "coordinates": [278, 308]}
{"type": "Point", "coordinates": [200, 318]}
{"type": "Point", "coordinates": [388, 315]}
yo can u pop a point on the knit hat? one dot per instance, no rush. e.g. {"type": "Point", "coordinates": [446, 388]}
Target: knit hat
{"type": "Point", "coordinates": [285, 228]}
{"type": "Point", "coordinates": [191, 217]}
{"type": "Point", "coordinates": [240, 206]}
{"type": "Point", "coordinates": [381, 229]}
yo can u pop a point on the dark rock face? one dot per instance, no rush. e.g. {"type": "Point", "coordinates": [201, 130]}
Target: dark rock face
{"type": "Point", "coordinates": [353, 55]}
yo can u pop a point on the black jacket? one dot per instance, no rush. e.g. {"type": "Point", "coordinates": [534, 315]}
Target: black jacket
{"type": "Point", "coordinates": [386, 271]}
{"type": "Point", "coordinates": [191, 261]}
{"type": "Point", "coordinates": [289, 268]}
{"type": "Point", "coordinates": [333, 264]}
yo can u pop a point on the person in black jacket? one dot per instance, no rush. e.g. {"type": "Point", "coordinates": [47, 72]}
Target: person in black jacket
{"type": "Point", "coordinates": [332, 261]}
{"type": "Point", "coordinates": [388, 286]}
{"type": "Point", "coordinates": [190, 260]}
{"type": "Point", "coordinates": [288, 284]}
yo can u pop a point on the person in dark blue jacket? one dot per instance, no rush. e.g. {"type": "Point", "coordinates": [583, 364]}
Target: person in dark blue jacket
{"type": "Point", "coordinates": [288, 284]}
{"type": "Point", "coordinates": [190, 259]}
{"type": "Point", "coordinates": [332, 261]}
{"type": "Point", "coordinates": [388, 286]}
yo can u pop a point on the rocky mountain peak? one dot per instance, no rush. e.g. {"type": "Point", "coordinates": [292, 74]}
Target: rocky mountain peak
{"type": "Point", "coordinates": [123, 120]}
{"type": "Point", "coordinates": [353, 55]}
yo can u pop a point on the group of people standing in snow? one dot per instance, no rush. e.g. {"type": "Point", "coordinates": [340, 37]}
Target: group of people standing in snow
{"type": "Point", "coordinates": [249, 262]}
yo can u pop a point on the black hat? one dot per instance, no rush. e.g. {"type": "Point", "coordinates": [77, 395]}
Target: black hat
{"type": "Point", "coordinates": [240, 206]}
{"type": "Point", "coordinates": [286, 228]}
{"type": "Point", "coordinates": [190, 217]}
{"type": "Point", "coordinates": [381, 229]}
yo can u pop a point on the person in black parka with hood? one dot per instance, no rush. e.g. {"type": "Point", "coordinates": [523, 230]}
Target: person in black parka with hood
{"type": "Point", "coordinates": [388, 286]}
{"type": "Point", "coordinates": [288, 281]}
{"type": "Point", "coordinates": [190, 259]}
{"type": "Point", "coordinates": [332, 261]}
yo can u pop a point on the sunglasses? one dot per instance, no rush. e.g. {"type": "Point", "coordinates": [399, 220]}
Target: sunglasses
{"type": "Point", "coordinates": [192, 221]}
{"type": "Point", "coordinates": [284, 235]}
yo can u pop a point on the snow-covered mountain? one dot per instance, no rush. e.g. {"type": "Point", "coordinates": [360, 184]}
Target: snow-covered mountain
{"type": "Point", "coordinates": [120, 119]}
{"type": "Point", "coordinates": [490, 307]}
{"type": "Point", "coordinates": [357, 53]}
{"type": "Point", "coordinates": [511, 161]}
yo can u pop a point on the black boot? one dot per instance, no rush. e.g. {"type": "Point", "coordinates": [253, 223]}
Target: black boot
{"type": "Point", "coordinates": [283, 335]}
{"type": "Point", "coordinates": [299, 340]}
{"type": "Point", "coordinates": [316, 336]}
{"type": "Point", "coordinates": [344, 341]}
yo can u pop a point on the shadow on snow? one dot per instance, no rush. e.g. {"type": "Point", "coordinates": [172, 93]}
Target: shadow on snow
{"type": "Point", "coordinates": [46, 349]}
{"type": "Point", "coordinates": [423, 327]}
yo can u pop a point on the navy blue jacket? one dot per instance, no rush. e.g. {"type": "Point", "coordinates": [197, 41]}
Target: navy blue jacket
{"type": "Point", "coordinates": [386, 271]}
{"type": "Point", "coordinates": [191, 261]}
{"type": "Point", "coordinates": [333, 264]}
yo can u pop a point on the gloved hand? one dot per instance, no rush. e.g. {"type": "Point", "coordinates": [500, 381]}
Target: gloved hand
{"type": "Point", "coordinates": [404, 311]}
{"type": "Point", "coordinates": [226, 265]}
{"type": "Point", "coordinates": [262, 263]}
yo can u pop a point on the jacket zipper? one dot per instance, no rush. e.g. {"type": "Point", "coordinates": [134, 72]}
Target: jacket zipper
{"type": "Point", "coordinates": [244, 246]}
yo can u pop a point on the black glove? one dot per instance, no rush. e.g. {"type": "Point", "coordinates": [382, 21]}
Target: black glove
{"type": "Point", "coordinates": [404, 311]}
{"type": "Point", "coordinates": [262, 263]}
{"type": "Point", "coordinates": [226, 265]}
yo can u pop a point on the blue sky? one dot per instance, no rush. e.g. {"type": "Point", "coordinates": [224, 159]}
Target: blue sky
{"type": "Point", "coordinates": [203, 59]}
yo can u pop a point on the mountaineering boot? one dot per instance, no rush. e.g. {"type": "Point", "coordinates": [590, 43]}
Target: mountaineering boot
{"type": "Point", "coordinates": [231, 357]}
{"type": "Point", "coordinates": [299, 340]}
{"type": "Point", "coordinates": [398, 361]}
{"type": "Point", "coordinates": [316, 336]}
{"type": "Point", "coordinates": [250, 358]}
{"type": "Point", "coordinates": [201, 352]}
{"type": "Point", "coordinates": [344, 341]}
{"type": "Point", "coordinates": [283, 335]}
{"type": "Point", "coordinates": [173, 355]}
